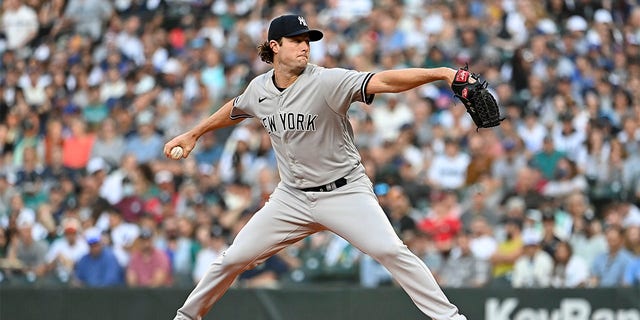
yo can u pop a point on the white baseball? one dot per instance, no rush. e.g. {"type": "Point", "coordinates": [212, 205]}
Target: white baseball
{"type": "Point", "coordinates": [176, 152]}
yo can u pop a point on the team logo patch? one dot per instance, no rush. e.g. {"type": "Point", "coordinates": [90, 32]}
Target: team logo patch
{"type": "Point", "coordinates": [465, 92]}
{"type": "Point", "coordinates": [462, 76]}
{"type": "Point", "coordinates": [302, 22]}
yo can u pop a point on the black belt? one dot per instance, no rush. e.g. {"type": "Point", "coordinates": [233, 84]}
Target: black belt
{"type": "Point", "coordinates": [327, 187]}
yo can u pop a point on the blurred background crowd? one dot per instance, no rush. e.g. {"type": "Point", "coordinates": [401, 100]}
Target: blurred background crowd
{"type": "Point", "coordinates": [91, 90]}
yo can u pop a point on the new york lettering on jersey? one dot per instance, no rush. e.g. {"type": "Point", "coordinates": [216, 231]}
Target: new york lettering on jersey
{"type": "Point", "coordinates": [289, 121]}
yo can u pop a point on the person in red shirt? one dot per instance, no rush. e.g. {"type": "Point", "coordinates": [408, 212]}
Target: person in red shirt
{"type": "Point", "coordinates": [442, 224]}
{"type": "Point", "coordinates": [149, 266]}
{"type": "Point", "coordinates": [76, 148]}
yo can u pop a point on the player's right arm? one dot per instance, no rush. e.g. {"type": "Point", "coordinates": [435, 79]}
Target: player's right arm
{"type": "Point", "coordinates": [217, 120]}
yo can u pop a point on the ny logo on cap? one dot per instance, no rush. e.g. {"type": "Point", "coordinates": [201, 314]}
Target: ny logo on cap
{"type": "Point", "coordinates": [302, 22]}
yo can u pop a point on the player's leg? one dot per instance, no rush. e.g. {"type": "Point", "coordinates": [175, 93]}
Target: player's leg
{"type": "Point", "coordinates": [353, 213]}
{"type": "Point", "coordinates": [278, 224]}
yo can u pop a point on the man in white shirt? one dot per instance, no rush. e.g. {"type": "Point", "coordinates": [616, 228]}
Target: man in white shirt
{"type": "Point", "coordinates": [64, 252]}
{"type": "Point", "coordinates": [19, 23]}
{"type": "Point", "coordinates": [449, 170]}
{"type": "Point", "coordinates": [534, 268]}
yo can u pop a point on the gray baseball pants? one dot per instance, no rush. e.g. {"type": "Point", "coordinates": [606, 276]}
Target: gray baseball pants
{"type": "Point", "coordinates": [352, 212]}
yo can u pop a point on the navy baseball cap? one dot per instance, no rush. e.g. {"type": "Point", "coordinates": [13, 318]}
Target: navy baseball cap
{"type": "Point", "coordinates": [291, 25]}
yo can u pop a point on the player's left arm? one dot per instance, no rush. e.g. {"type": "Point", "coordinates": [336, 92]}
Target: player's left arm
{"type": "Point", "coordinates": [392, 81]}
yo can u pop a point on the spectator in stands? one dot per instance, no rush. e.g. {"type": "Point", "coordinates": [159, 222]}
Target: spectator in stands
{"type": "Point", "coordinates": [210, 149]}
{"type": "Point", "coordinates": [566, 180]}
{"type": "Point", "coordinates": [401, 215]}
{"type": "Point", "coordinates": [533, 134]}
{"type": "Point", "coordinates": [546, 160]}
{"type": "Point", "coordinates": [19, 24]}
{"type": "Point", "coordinates": [629, 213]}
{"type": "Point", "coordinates": [534, 268]}
{"type": "Point", "coordinates": [26, 252]}
{"type": "Point", "coordinates": [569, 270]}
{"type": "Point", "coordinates": [478, 207]}
{"type": "Point", "coordinates": [77, 146]}
{"type": "Point", "coordinates": [180, 246]}
{"type": "Point", "coordinates": [146, 143]}
{"type": "Point", "coordinates": [109, 144]}
{"type": "Point", "coordinates": [608, 268]}
{"type": "Point", "coordinates": [87, 17]}
{"type": "Point", "coordinates": [632, 239]}
{"type": "Point", "coordinates": [505, 169]}
{"type": "Point", "coordinates": [122, 235]}
{"type": "Point", "coordinates": [149, 266]}
{"type": "Point", "coordinates": [214, 242]}
{"type": "Point", "coordinates": [462, 268]}
{"type": "Point", "coordinates": [508, 251]}
{"type": "Point", "coordinates": [483, 244]}
{"type": "Point", "coordinates": [632, 273]}
{"type": "Point", "coordinates": [448, 170]}
{"type": "Point", "coordinates": [441, 223]}
{"type": "Point", "coordinates": [64, 252]}
{"type": "Point", "coordinates": [98, 268]}
{"type": "Point", "coordinates": [588, 239]}
{"type": "Point", "coordinates": [566, 137]}
{"type": "Point", "coordinates": [549, 240]}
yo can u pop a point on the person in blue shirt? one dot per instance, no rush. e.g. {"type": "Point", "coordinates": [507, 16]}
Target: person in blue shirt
{"type": "Point", "coordinates": [632, 273]}
{"type": "Point", "coordinates": [608, 268]}
{"type": "Point", "coordinates": [145, 143]}
{"type": "Point", "coordinates": [99, 267]}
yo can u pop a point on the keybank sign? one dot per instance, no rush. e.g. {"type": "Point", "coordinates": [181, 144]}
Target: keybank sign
{"type": "Point", "coordinates": [569, 309]}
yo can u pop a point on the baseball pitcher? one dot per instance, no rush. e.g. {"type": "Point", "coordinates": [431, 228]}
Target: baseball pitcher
{"type": "Point", "coordinates": [323, 184]}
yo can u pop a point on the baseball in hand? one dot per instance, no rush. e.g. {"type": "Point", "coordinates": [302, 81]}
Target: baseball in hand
{"type": "Point", "coordinates": [176, 152]}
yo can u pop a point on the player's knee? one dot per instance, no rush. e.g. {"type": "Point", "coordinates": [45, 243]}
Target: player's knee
{"type": "Point", "coordinates": [232, 261]}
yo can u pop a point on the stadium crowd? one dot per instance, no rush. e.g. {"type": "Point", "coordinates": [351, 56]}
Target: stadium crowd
{"type": "Point", "coordinates": [91, 90]}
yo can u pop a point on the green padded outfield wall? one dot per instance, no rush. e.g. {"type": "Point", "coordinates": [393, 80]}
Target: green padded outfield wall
{"type": "Point", "coordinates": [318, 303]}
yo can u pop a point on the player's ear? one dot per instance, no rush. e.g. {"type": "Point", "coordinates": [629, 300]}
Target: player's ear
{"type": "Point", "coordinates": [274, 45]}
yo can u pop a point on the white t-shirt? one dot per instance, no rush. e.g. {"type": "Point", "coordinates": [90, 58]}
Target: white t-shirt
{"type": "Point", "coordinates": [449, 172]}
{"type": "Point", "coordinates": [62, 247]}
{"type": "Point", "coordinates": [483, 247]}
{"type": "Point", "coordinates": [123, 236]}
{"type": "Point", "coordinates": [19, 25]}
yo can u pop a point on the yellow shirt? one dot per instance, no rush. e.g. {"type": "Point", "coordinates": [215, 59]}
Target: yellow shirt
{"type": "Point", "coordinates": [506, 247]}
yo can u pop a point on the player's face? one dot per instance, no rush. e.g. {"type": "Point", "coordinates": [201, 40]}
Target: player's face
{"type": "Point", "coordinates": [294, 51]}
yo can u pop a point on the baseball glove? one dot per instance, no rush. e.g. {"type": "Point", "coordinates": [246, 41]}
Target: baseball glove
{"type": "Point", "coordinates": [480, 104]}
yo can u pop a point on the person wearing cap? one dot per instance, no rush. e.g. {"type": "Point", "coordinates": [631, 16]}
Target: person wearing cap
{"type": "Point", "coordinates": [303, 107]}
{"type": "Point", "coordinates": [149, 266]}
{"type": "Point", "coordinates": [549, 240]}
{"type": "Point", "coordinates": [65, 251]}
{"type": "Point", "coordinates": [535, 267]}
{"type": "Point", "coordinates": [99, 267]}
{"type": "Point", "coordinates": [27, 252]}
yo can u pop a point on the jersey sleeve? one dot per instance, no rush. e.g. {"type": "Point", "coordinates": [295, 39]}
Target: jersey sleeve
{"type": "Point", "coordinates": [241, 106]}
{"type": "Point", "coordinates": [343, 87]}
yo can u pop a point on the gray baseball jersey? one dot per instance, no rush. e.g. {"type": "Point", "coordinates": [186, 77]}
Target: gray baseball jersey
{"type": "Point", "coordinates": [313, 141]}
{"type": "Point", "coordinates": [310, 132]}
